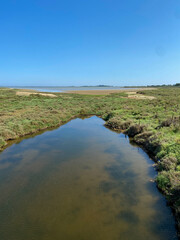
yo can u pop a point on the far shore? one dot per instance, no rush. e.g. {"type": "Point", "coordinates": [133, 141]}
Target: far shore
{"type": "Point", "coordinates": [106, 91]}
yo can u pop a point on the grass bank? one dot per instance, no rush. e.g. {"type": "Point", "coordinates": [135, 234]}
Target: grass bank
{"type": "Point", "coordinates": [153, 123]}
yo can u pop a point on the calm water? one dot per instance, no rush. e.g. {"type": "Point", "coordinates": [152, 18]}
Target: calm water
{"type": "Point", "coordinates": [62, 89]}
{"type": "Point", "coordinates": [80, 182]}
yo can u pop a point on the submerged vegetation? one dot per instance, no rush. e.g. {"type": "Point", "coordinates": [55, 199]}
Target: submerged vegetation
{"type": "Point", "coordinates": [153, 123]}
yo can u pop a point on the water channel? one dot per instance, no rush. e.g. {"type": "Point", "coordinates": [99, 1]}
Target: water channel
{"type": "Point", "coordinates": [81, 182]}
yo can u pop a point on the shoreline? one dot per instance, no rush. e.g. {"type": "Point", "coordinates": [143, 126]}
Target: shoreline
{"type": "Point", "coordinates": [145, 145]}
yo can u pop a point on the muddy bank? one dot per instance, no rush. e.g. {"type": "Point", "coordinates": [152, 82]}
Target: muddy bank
{"type": "Point", "coordinates": [147, 140]}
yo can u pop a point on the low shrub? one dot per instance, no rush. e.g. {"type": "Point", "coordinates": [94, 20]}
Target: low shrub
{"type": "Point", "coordinates": [163, 181]}
{"type": "Point", "coordinates": [135, 129]}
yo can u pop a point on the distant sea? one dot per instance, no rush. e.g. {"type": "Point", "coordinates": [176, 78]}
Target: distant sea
{"type": "Point", "coordinates": [63, 89]}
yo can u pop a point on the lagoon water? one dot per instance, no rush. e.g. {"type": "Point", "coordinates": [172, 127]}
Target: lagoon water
{"type": "Point", "coordinates": [80, 182]}
{"type": "Point", "coordinates": [64, 89]}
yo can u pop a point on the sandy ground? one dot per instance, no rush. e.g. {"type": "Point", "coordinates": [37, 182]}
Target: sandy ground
{"type": "Point", "coordinates": [104, 92]}
{"type": "Point", "coordinates": [135, 95]}
{"type": "Point", "coordinates": [21, 93]}
{"type": "Point", "coordinates": [131, 92]}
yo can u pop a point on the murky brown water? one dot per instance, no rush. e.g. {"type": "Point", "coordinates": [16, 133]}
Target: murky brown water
{"type": "Point", "coordinates": [80, 182]}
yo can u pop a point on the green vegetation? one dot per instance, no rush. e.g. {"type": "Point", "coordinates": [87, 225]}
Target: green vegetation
{"type": "Point", "coordinates": [163, 85]}
{"type": "Point", "coordinates": [154, 124]}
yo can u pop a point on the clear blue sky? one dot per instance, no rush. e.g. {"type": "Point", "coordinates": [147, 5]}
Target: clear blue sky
{"type": "Point", "coordinates": [89, 42]}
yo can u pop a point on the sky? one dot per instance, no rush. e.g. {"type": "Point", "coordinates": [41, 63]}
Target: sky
{"type": "Point", "coordinates": [89, 42]}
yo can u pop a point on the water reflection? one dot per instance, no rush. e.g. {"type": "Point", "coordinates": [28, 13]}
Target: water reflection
{"type": "Point", "coordinates": [80, 181]}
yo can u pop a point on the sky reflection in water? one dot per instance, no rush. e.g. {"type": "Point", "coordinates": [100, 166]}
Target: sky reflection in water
{"type": "Point", "coordinates": [80, 181]}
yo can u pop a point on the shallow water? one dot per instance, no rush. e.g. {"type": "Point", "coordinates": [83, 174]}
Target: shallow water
{"type": "Point", "coordinates": [80, 182]}
{"type": "Point", "coordinates": [63, 89]}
